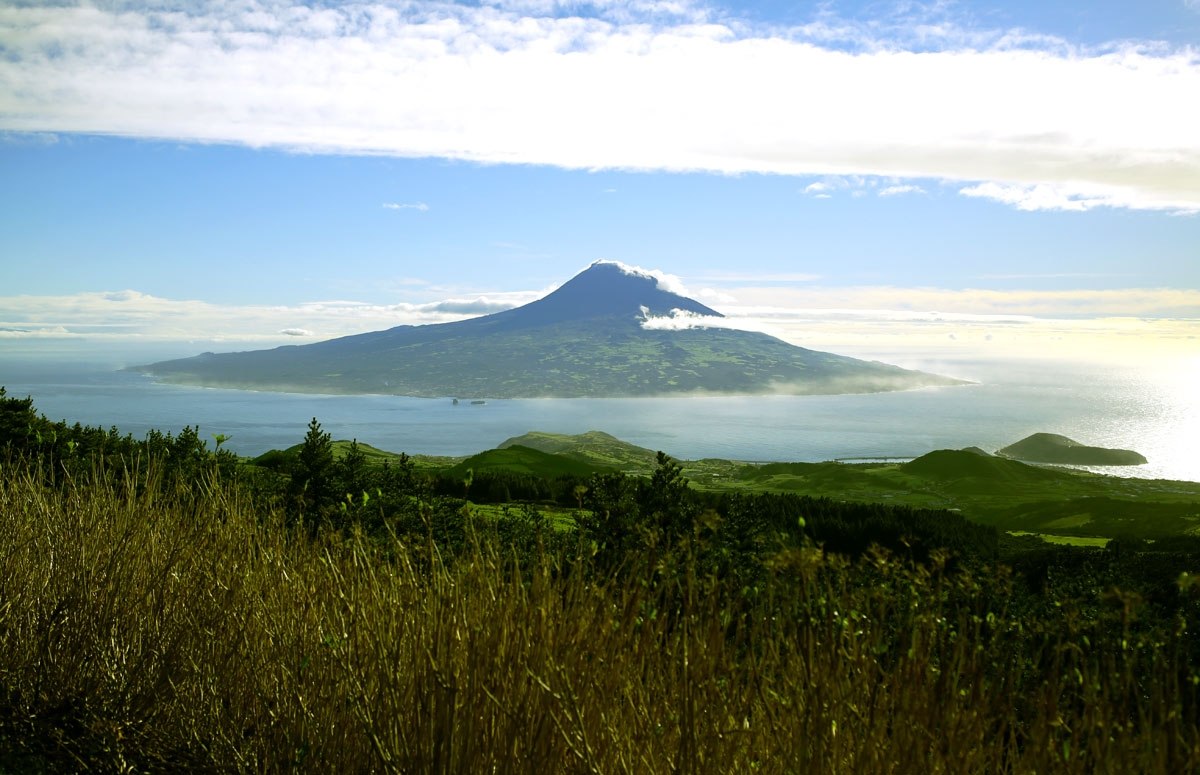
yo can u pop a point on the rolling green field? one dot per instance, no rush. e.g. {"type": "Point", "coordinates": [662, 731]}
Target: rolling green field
{"type": "Point", "coordinates": [1060, 504]}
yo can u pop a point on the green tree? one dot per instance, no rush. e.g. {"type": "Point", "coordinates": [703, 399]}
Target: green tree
{"type": "Point", "coordinates": [611, 522]}
{"type": "Point", "coordinates": [312, 486]}
{"type": "Point", "coordinates": [19, 423]}
{"type": "Point", "coordinates": [353, 475]}
{"type": "Point", "coordinates": [665, 502]}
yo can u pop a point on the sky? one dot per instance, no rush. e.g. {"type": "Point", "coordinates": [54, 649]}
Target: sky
{"type": "Point", "coordinates": [951, 177]}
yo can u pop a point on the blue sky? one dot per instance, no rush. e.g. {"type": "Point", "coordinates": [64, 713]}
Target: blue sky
{"type": "Point", "coordinates": [857, 176]}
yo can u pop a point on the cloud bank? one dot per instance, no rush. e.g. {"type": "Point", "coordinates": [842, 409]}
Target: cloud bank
{"type": "Point", "coordinates": [870, 321]}
{"type": "Point", "coordinates": [131, 315]}
{"type": "Point", "coordinates": [1021, 119]}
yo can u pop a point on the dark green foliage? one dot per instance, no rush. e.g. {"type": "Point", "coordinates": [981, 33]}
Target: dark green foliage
{"type": "Point", "coordinates": [666, 504]}
{"type": "Point", "coordinates": [851, 528]}
{"type": "Point", "coordinates": [351, 471]}
{"type": "Point", "coordinates": [63, 451]}
{"type": "Point", "coordinates": [313, 486]}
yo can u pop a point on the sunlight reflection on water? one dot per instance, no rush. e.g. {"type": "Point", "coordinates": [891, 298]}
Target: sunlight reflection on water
{"type": "Point", "coordinates": [1152, 411]}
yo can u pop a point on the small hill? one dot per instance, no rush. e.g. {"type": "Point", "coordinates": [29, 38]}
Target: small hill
{"type": "Point", "coordinates": [595, 448]}
{"type": "Point", "coordinates": [279, 459]}
{"type": "Point", "coordinates": [274, 458]}
{"type": "Point", "coordinates": [957, 464]}
{"type": "Point", "coordinates": [1053, 448]}
{"type": "Point", "coordinates": [524, 460]}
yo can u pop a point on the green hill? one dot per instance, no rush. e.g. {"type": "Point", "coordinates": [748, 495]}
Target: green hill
{"type": "Point", "coordinates": [1053, 448]}
{"type": "Point", "coordinates": [956, 464]}
{"type": "Point", "coordinates": [524, 460]}
{"type": "Point", "coordinates": [595, 448]}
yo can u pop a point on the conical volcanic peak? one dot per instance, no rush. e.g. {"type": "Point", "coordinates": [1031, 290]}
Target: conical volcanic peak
{"type": "Point", "coordinates": [605, 289]}
{"type": "Point", "coordinates": [584, 339]}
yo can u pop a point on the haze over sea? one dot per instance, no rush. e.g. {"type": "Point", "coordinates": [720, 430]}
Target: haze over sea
{"type": "Point", "coordinates": [1150, 410]}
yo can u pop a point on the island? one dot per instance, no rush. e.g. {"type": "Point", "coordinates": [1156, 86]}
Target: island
{"type": "Point", "coordinates": [1053, 448]}
{"type": "Point", "coordinates": [611, 331]}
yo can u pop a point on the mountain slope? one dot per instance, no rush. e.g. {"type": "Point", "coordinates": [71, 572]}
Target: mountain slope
{"type": "Point", "coordinates": [584, 339]}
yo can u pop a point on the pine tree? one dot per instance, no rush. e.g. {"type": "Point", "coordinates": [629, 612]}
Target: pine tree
{"type": "Point", "coordinates": [312, 475]}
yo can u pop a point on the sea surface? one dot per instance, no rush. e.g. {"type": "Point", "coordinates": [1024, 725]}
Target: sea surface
{"type": "Point", "coordinates": [1156, 413]}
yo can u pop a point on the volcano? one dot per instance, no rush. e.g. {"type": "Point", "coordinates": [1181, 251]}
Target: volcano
{"type": "Point", "coordinates": [598, 335]}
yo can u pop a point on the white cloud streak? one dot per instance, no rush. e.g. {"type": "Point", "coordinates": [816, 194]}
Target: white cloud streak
{"type": "Point", "coordinates": [667, 282]}
{"type": "Point", "coordinates": [811, 316]}
{"type": "Point", "coordinates": [131, 315]}
{"type": "Point", "coordinates": [419, 206]}
{"type": "Point", "coordinates": [900, 190]}
{"type": "Point", "coordinates": [1016, 118]}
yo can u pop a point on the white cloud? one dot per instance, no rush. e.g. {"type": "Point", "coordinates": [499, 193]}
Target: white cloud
{"type": "Point", "coordinates": [713, 296]}
{"type": "Point", "coordinates": [667, 282]}
{"type": "Point", "coordinates": [133, 315]}
{"type": "Point", "coordinates": [680, 320]}
{"type": "Point", "coordinates": [916, 303]}
{"type": "Point", "coordinates": [869, 321]}
{"type": "Point", "coordinates": [130, 315]}
{"type": "Point", "coordinates": [899, 190]}
{"type": "Point", "coordinates": [1064, 197]}
{"type": "Point", "coordinates": [420, 206]}
{"type": "Point", "coordinates": [860, 186]}
{"type": "Point", "coordinates": [757, 277]}
{"type": "Point", "coordinates": [1015, 117]}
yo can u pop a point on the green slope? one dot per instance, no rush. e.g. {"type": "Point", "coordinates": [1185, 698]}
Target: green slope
{"type": "Point", "coordinates": [524, 460]}
{"type": "Point", "coordinates": [593, 447]}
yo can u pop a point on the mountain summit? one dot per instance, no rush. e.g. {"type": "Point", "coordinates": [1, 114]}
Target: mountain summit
{"type": "Point", "coordinates": [604, 289]}
{"type": "Point", "coordinates": [587, 338]}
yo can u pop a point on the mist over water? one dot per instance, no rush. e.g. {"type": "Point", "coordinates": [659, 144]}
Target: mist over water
{"type": "Point", "coordinates": [1151, 411]}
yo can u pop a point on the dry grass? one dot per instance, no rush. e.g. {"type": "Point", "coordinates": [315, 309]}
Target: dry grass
{"type": "Point", "coordinates": [143, 631]}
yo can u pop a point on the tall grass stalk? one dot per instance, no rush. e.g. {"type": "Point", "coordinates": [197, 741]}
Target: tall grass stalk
{"type": "Point", "coordinates": [143, 628]}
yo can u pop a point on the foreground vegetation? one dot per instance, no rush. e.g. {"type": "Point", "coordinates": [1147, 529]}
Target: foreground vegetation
{"type": "Point", "coordinates": [162, 607]}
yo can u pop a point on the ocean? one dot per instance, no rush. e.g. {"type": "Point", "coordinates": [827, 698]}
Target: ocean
{"type": "Point", "coordinates": [1155, 413]}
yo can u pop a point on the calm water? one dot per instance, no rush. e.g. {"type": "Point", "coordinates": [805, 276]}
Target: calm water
{"type": "Point", "coordinates": [1155, 415]}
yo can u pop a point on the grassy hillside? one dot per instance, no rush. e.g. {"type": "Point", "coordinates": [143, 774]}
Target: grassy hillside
{"type": "Point", "coordinates": [524, 460]}
{"type": "Point", "coordinates": [593, 447]}
{"type": "Point", "coordinates": [995, 491]}
{"type": "Point", "coordinates": [1008, 494]}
